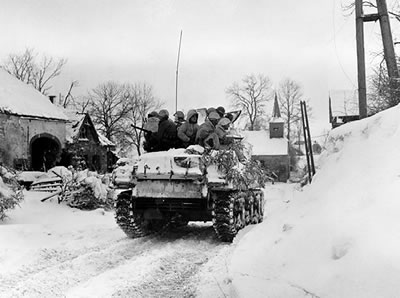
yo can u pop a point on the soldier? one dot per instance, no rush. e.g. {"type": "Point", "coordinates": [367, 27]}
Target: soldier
{"type": "Point", "coordinates": [167, 134]}
{"type": "Point", "coordinates": [188, 130]}
{"type": "Point", "coordinates": [206, 135]}
{"type": "Point", "coordinates": [179, 118]}
{"type": "Point", "coordinates": [150, 136]}
{"type": "Point", "coordinates": [209, 110]}
{"type": "Point", "coordinates": [222, 130]}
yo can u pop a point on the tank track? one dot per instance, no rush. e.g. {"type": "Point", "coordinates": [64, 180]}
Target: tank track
{"type": "Point", "coordinates": [132, 224]}
{"type": "Point", "coordinates": [233, 210]}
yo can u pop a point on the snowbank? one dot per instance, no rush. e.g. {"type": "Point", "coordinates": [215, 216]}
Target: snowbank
{"type": "Point", "coordinates": [340, 236]}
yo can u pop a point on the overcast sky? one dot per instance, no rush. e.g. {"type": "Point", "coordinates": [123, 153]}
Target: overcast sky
{"type": "Point", "coordinates": [309, 41]}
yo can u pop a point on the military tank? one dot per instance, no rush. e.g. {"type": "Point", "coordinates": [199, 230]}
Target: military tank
{"type": "Point", "coordinates": [174, 187]}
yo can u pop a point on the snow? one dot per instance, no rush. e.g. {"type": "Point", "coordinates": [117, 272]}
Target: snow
{"type": "Point", "coordinates": [163, 162]}
{"type": "Point", "coordinates": [337, 237]}
{"type": "Point", "coordinates": [262, 144]}
{"type": "Point", "coordinates": [51, 250]}
{"type": "Point", "coordinates": [18, 98]}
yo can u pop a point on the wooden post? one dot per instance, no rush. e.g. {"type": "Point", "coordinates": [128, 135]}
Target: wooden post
{"type": "Point", "coordinates": [387, 40]}
{"type": "Point", "coordinates": [362, 89]}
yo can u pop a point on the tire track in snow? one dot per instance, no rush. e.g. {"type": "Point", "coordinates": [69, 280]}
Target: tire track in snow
{"type": "Point", "coordinates": [155, 266]}
{"type": "Point", "coordinates": [55, 280]}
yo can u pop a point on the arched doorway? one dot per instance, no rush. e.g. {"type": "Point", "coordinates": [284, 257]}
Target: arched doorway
{"type": "Point", "coordinates": [45, 152]}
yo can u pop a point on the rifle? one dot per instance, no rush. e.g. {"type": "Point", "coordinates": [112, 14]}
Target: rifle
{"type": "Point", "coordinates": [141, 128]}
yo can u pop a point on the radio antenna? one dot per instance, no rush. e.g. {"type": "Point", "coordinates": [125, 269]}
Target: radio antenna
{"type": "Point", "coordinates": [177, 70]}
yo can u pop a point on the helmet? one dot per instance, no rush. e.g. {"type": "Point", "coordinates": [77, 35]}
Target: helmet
{"type": "Point", "coordinates": [224, 121]}
{"type": "Point", "coordinates": [209, 110]}
{"type": "Point", "coordinates": [152, 114]}
{"type": "Point", "coordinates": [179, 115]}
{"type": "Point", "coordinates": [163, 113]}
{"type": "Point", "coordinates": [213, 116]}
{"type": "Point", "coordinates": [221, 111]}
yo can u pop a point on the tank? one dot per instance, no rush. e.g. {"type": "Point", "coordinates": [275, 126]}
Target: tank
{"type": "Point", "coordinates": [174, 187]}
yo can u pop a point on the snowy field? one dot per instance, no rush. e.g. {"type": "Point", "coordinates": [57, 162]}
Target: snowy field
{"type": "Point", "coordinates": [338, 237]}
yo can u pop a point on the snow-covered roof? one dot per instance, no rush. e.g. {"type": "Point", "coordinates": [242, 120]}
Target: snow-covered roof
{"type": "Point", "coordinates": [19, 98]}
{"type": "Point", "coordinates": [262, 144]}
{"type": "Point", "coordinates": [104, 140]}
{"type": "Point", "coordinates": [73, 127]}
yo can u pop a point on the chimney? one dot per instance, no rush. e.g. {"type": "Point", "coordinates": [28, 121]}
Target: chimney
{"type": "Point", "coordinates": [52, 98]}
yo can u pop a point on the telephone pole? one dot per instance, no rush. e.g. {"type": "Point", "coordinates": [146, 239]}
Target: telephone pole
{"type": "Point", "coordinates": [362, 86]}
{"type": "Point", "coordinates": [388, 49]}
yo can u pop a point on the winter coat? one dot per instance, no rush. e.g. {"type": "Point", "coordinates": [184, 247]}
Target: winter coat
{"type": "Point", "coordinates": [187, 131]}
{"type": "Point", "coordinates": [206, 135]}
{"type": "Point", "coordinates": [166, 135]}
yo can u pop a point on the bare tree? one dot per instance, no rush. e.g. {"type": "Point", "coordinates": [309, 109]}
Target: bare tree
{"type": "Point", "coordinates": [383, 92]}
{"type": "Point", "coordinates": [69, 99]}
{"type": "Point", "coordinates": [81, 104]}
{"type": "Point", "coordinates": [289, 98]}
{"type": "Point", "coordinates": [46, 70]}
{"type": "Point", "coordinates": [251, 96]}
{"type": "Point", "coordinates": [26, 68]}
{"type": "Point", "coordinates": [142, 101]}
{"type": "Point", "coordinates": [109, 106]}
{"type": "Point", "coordinates": [21, 65]}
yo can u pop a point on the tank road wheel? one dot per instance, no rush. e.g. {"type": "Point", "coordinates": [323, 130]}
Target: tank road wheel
{"type": "Point", "coordinates": [258, 206]}
{"type": "Point", "coordinates": [239, 212]}
{"type": "Point", "coordinates": [229, 214]}
{"type": "Point", "coordinates": [250, 209]}
{"type": "Point", "coordinates": [133, 225]}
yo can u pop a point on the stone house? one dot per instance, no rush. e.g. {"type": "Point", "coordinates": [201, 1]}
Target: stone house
{"type": "Point", "coordinates": [270, 147]}
{"type": "Point", "coordinates": [32, 129]}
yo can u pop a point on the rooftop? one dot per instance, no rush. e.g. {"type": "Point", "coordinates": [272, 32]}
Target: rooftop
{"type": "Point", "coordinates": [19, 98]}
{"type": "Point", "coordinates": [262, 144]}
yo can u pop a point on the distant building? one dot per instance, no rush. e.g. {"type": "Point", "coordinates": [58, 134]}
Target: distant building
{"type": "Point", "coordinates": [85, 144]}
{"type": "Point", "coordinates": [270, 147]}
{"type": "Point", "coordinates": [343, 107]}
{"type": "Point", "coordinates": [32, 129]}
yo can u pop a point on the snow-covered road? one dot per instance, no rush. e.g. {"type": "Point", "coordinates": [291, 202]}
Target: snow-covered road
{"type": "Point", "coordinates": [50, 250]}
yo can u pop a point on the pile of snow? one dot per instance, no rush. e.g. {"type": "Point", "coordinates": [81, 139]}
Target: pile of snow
{"type": "Point", "coordinates": [340, 236]}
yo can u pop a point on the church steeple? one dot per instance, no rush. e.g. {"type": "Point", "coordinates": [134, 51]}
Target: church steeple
{"type": "Point", "coordinates": [276, 124]}
{"type": "Point", "coordinates": [277, 112]}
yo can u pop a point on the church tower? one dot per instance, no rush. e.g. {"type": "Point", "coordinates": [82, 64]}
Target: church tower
{"type": "Point", "coordinates": [277, 123]}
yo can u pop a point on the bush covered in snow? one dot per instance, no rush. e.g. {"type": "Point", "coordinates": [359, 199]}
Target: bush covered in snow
{"type": "Point", "coordinates": [89, 192]}
{"type": "Point", "coordinates": [10, 192]}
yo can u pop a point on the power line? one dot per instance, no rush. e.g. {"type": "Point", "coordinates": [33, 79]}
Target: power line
{"type": "Point", "coordinates": [336, 51]}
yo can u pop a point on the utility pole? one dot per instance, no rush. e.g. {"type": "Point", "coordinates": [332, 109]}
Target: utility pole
{"type": "Point", "coordinates": [387, 40]}
{"type": "Point", "coordinates": [176, 75]}
{"type": "Point", "coordinates": [388, 49]}
{"type": "Point", "coordinates": [362, 86]}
